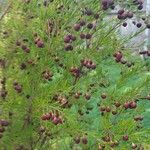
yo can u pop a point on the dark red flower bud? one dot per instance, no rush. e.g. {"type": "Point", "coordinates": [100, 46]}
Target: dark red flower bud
{"type": "Point", "coordinates": [84, 140]}
{"type": "Point", "coordinates": [40, 44]}
{"type": "Point", "coordinates": [76, 27]}
{"type": "Point", "coordinates": [125, 138]}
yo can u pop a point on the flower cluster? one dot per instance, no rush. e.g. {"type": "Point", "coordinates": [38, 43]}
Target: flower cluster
{"type": "Point", "coordinates": [53, 116]}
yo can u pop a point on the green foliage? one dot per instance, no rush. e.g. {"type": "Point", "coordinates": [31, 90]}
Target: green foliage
{"type": "Point", "coordinates": [82, 117]}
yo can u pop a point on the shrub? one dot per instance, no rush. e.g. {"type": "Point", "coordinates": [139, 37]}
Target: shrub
{"type": "Point", "coordinates": [68, 81]}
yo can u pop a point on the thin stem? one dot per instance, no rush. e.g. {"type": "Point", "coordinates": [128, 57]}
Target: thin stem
{"type": "Point", "coordinates": [5, 11]}
{"type": "Point", "coordinates": [115, 27]}
{"type": "Point", "coordinates": [143, 98]}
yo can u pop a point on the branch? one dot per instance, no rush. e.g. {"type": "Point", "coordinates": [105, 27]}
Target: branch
{"type": "Point", "coordinates": [5, 11]}
{"type": "Point", "coordinates": [143, 98]}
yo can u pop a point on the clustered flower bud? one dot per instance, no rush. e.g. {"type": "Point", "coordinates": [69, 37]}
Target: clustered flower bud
{"type": "Point", "coordinates": [47, 75]}
{"type": "Point", "coordinates": [39, 42]}
{"type": "Point", "coordinates": [75, 71]}
{"type": "Point", "coordinates": [107, 4]}
{"type": "Point", "coordinates": [77, 95]}
{"type": "Point", "coordinates": [124, 24]}
{"type": "Point", "coordinates": [122, 14]}
{"type": "Point", "coordinates": [88, 63]}
{"type": "Point", "coordinates": [53, 116]}
{"type": "Point", "coordinates": [101, 147]}
{"type": "Point", "coordinates": [18, 43]}
{"type": "Point", "coordinates": [119, 59]}
{"type": "Point", "coordinates": [147, 53]}
{"type": "Point", "coordinates": [23, 66]}
{"type": "Point", "coordinates": [134, 146]}
{"type": "Point", "coordinates": [77, 27]}
{"type": "Point", "coordinates": [3, 124]}
{"type": "Point", "coordinates": [87, 96]}
{"type": "Point", "coordinates": [83, 139]}
{"type": "Point", "coordinates": [130, 105]}
{"type": "Point", "coordinates": [139, 4]}
{"type": "Point", "coordinates": [103, 96]}
{"type": "Point", "coordinates": [125, 138]}
{"type": "Point", "coordinates": [17, 87]}
{"type": "Point", "coordinates": [118, 56]}
{"type": "Point", "coordinates": [25, 48]}
{"type": "Point", "coordinates": [138, 118]}
{"type": "Point", "coordinates": [69, 39]}
{"type": "Point", "coordinates": [117, 104]}
{"type": "Point", "coordinates": [3, 92]}
{"type": "Point", "coordinates": [62, 100]}
{"type": "Point", "coordinates": [148, 25]}
{"type": "Point", "coordinates": [108, 109]}
{"type": "Point", "coordinates": [68, 47]}
{"type": "Point", "coordinates": [106, 138]}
